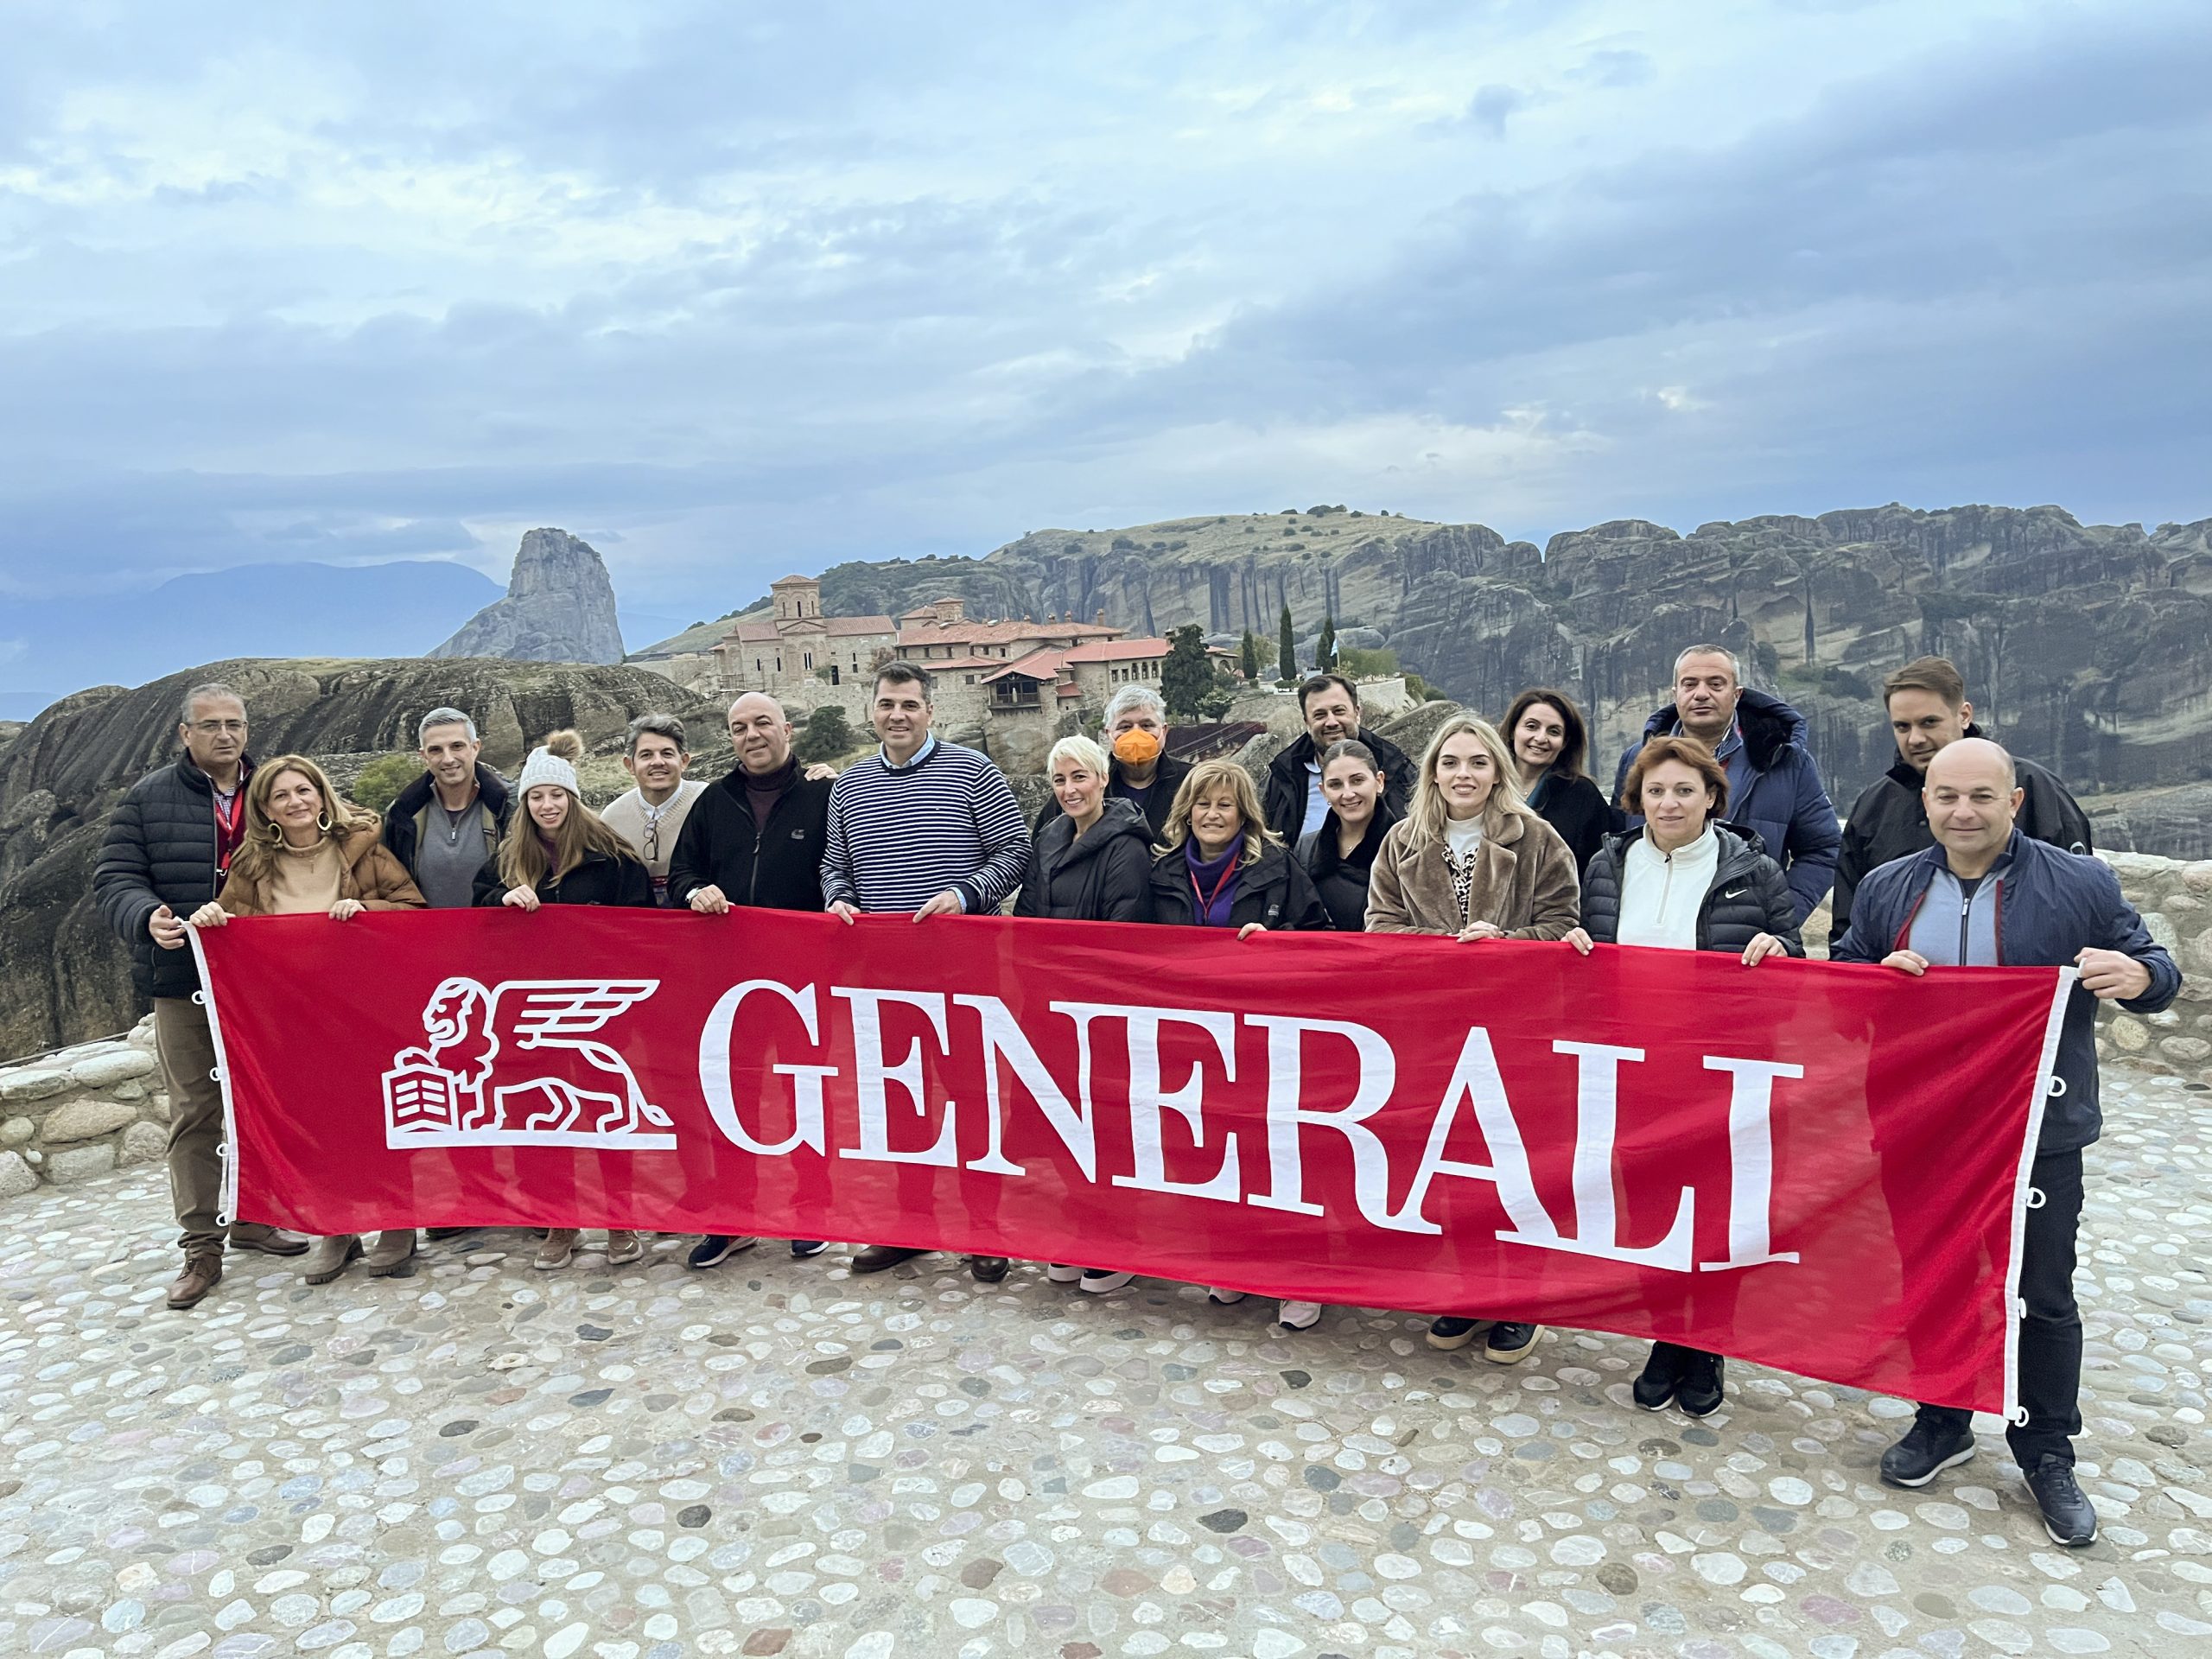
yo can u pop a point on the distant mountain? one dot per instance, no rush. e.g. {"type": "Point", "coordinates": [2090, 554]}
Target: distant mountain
{"type": "Point", "coordinates": [559, 607]}
{"type": "Point", "coordinates": [50, 648]}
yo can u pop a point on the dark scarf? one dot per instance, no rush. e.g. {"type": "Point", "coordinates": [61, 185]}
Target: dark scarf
{"type": "Point", "coordinates": [1210, 904]}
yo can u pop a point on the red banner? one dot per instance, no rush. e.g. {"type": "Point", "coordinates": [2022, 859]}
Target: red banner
{"type": "Point", "coordinates": [1813, 1165]}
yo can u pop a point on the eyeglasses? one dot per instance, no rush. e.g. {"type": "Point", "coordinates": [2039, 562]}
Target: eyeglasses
{"type": "Point", "coordinates": [652, 841]}
{"type": "Point", "coordinates": [218, 728]}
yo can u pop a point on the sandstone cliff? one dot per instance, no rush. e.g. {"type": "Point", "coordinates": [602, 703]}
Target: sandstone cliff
{"type": "Point", "coordinates": [2088, 647]}
{"type": "Point", "coordinates": [62, 977]}
{"type": "Point", "coordinates": [559, 608]}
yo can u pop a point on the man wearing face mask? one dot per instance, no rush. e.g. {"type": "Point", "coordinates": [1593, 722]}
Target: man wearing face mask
{"type": "Point", "coordinates": [1140, 772]}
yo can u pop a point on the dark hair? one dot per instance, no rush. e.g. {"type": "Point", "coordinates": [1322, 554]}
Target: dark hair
{"type": "Point", "coordinates": [1350, 748]}
{"type": "Point", "coordinates": [667, 726]}
{"type": "Point", "coordinates": [899, 671]}
{"type": "Point", "coordinates": [1692, 754]}
{"type": "Point", "coordinates": [1313, 684]}
{"type": "Point", "coordinates": [1936, 674]}
{"type": "Point", "coordinates": [1574, 740]}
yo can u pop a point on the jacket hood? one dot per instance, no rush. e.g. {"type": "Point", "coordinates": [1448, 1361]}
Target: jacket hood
{"type": "Point", "coordinates": [416, 796]}
{"type": "Point", "coordinates": [1769, 725]}
{"type": "Point", "coordinates": [1120, 818]}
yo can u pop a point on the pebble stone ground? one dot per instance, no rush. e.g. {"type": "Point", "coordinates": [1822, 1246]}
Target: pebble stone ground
{"type": "Point", "coordinates": [774, 1457]}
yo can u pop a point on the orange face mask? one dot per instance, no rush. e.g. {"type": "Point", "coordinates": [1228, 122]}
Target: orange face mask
{"type": "Point", "coordinates": [1136, 746]}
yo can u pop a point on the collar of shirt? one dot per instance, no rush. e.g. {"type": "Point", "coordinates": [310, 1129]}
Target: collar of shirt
{"type": "Point", "coordinates": [921, 754]}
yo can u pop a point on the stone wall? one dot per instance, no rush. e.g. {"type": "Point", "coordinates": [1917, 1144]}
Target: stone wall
{"type": "Point", "coordinates": [81, 1112]}
{"type": "Point", "coordinates": [2176, 900]}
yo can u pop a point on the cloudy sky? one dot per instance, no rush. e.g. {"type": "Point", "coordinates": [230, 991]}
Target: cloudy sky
{"type": "Point", "coordinates": [734, 291]}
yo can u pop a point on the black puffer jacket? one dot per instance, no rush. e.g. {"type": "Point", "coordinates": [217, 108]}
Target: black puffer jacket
{"type": "Point", "coordinates": [1167, 777]}
{"type": "Point", "coordinates": [1274, 890]}
{"type": "Point", "coordinates": [599, 880]}
{"type": "Point", "coordinates": [778, 866]}
{"type": "Point", "coordinates": [404, 819]}
{"type": "Point", "coordinates": [1285, 802]}
{"type": "Point", "coordinates": [1341, 882]}
{"type": "Point", "coordinates": [1890, 821]}
{"type": "Point", "coordinates": [1102, 876]}
{"type": "Point", "coordinates": [1748, 896]}
{"type": "Point", "coordinates": [160, 849]}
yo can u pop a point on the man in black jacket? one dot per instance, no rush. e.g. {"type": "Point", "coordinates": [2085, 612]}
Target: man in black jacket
{"type": "Point", "coordinates": [448, 822]}
{"type": "Point", "coordinates": [168, 846]}
{"type": "Point", "coordinates": [753, 837]}
{"type": "Point", "coordinates": [1928, 710]}
{"type": "Point", "coordinates": [1330, 707]}
{"type": "Point", "coordinates": [1135, 725]}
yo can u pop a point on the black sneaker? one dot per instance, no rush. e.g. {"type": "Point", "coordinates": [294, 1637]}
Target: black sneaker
{"type": "Point", "coordinates": [715, 1249]}
{"type": "Point", "coordinates": [1510, 1344]}
{"type": "Point", "coordinates": [1699, 1394]}
{"type": "Point", "coordinates": [803, 1248]}
{"type": "Point", "coordinates": [2067, 1514]}
{"type": "Point", "coordinates": [1449, 1331]}
{"type": "Point", "coordinates": [1662, 1372]}
{"type": "Point", "coordinates": [987, 1269]}
{"type": "Point", "coordinates": [1928, 1447]}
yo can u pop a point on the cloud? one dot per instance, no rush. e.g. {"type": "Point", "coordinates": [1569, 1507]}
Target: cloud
{"type": "Point", "coordinates": [1491, 105]}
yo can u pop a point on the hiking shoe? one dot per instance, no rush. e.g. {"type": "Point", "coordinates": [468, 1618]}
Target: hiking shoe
{"type": "Point", "coordinates": [328, 1257]}
{"type": "Point", "coordinates": [395, 1250]}
{"type": "Point", "coordinates": [1930, 1447]}
{"type": "Point", "coordinates": [2067, 1514]}
{"type": "Point", "coordinates": [715, 1249]}
{"type": "Point", "coordinates": [1509, 1344]}
{"type": "Point", "coordinates": [553, 1255]}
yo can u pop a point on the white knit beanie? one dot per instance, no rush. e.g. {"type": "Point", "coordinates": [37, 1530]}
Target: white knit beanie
{"type": "Point", "coordinates": [550, 763]}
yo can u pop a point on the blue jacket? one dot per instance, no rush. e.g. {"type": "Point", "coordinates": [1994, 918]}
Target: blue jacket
{"type": "Point", "coordinates": [1773, 787]}
{"type": "Point", "coordinates": [2050, 907]}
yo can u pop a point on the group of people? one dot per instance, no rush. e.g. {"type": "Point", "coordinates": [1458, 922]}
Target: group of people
{"type": "Point", "coordinates": [1960, 854]}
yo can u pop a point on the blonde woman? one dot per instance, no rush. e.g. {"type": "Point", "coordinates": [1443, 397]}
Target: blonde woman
{"type": "Point", "coordinates": [1224, 868]}
{"type": "Point", "coordinates": [307, 851]}
{"type": "Point", "coordinates": [560, 852]}
{"type": "Point", "coordinates": [1473, 863]}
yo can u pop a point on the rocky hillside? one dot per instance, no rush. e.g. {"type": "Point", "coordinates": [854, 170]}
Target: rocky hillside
{"type": "Point", "coordinates": [62, 977]}
{"type": "Point", "coordinates": [2086, 646]}
{"type": "Point", "coordinates": [559, 608]}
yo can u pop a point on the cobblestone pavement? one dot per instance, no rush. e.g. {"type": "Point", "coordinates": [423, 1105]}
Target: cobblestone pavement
{"type": "Point", "coordinates": [774, 1457]}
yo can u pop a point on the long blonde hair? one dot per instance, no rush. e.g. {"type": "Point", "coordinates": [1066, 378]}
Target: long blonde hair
{"type": "Point", "coordinates": [1205, 778]}
{"type": "Point", "coordinates": [1425, 823]}
{"type": "Point", "coordinates": [522, 856]}
{"type": "Point", "coordinates": [263, 836]}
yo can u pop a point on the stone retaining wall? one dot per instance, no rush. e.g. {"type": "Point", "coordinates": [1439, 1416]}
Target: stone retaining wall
{"type": "Point", "coordinates": [82, 1111]}
{"type": "Point", "coordinates": [2176, 900]}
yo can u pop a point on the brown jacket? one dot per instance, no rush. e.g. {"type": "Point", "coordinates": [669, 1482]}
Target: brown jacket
{"type": "Point", "coordinates": [367, 871]}
{"type": "Point", "coordinates": [1524, 883]}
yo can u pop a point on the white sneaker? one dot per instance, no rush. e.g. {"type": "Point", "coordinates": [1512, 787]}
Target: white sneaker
{"type": "Point", "coordinates": [1225, 1298]}
{"type": "Point", "coordinates": [1060, 1274]}
{"type": "Point", "coordinates": [1299, 1316]}
{"type": "Point", "coordinates": [1099, 1281]}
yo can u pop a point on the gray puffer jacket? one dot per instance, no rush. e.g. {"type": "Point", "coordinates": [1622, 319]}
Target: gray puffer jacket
{"type": "Point", "coordinates": [160, 850]}
{"type": "Point", "coordinates": [1748, 896]}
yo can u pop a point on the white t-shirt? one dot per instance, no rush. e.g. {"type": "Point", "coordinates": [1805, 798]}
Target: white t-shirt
{"type": "Point", "coordinates": [1661, 892]}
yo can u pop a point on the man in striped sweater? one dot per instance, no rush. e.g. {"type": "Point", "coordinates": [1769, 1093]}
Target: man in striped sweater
{"type": "Point", "coordinates": [925, 827]}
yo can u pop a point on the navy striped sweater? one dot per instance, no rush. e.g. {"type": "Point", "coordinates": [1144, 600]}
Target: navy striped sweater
{"type": "Point", "coordinates": [900, 836]}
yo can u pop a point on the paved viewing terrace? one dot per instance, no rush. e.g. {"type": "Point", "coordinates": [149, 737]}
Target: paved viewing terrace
{"type": "Point", "coordinates": [774, 1457]}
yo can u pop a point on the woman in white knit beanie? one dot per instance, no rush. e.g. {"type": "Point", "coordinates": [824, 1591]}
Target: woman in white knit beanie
{"type": "Point", "coordinates": [563, 854]}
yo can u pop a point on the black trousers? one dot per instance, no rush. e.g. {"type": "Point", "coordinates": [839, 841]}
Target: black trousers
{"type": "Point", "coordinates": [2051, 1327]}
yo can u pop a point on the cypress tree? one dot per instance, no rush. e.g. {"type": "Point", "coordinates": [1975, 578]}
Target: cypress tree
{"type": "Point", "coordinates": [1287, 652]}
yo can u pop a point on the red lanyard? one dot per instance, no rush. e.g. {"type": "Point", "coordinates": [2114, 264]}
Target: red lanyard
{"type": "Point", "coordinates": [1205, 900]}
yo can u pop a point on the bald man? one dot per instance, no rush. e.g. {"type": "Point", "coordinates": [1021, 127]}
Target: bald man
{"type": "Point", "coordinates": [1986, 895]}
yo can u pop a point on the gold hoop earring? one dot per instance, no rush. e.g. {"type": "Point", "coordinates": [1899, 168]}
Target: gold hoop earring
{"type": "Point", "coordinates": [275, 834]}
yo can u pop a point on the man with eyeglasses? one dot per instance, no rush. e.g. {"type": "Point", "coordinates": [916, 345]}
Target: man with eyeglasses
{"type": "Point", "coordinates": [168, 847]}
{"type": "Point", "coordinates": [651, 816]}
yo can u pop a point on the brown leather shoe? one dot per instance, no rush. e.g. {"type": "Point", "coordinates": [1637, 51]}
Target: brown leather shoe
{"type": "Point", "coordinates": [202, 1274]}
{"type": "Point", "coordinates": [270, 1240]}
{"type": "Point", "coordinates": [876, 1257]}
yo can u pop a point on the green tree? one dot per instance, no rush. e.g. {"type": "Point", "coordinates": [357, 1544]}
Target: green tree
{"type": "Point", "coordinates": [1286, 650]}
{"type": "Point", "coordinates": [1250, 657]}
{"type": "Point", "coordinates": [1362, 665]}
{"type": "Point", "coordinates": [380, 781]}
{"type": "Point", "coordinates": [1324, 652]}
{"type": "Point", "coordinates": [1186, 675]}
{"type": "Point", "coordinates": [828, 734]}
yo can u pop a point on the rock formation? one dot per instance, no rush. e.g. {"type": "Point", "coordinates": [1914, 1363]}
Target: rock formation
{"type": "Point", "coordinates": [559, 608]}
{"type": "Point", "coordinates": [2088, 647]}
{"type": "Point", "coordinates": [63, 978]}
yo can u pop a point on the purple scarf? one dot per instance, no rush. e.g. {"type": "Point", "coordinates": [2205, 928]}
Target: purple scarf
{"type": "Point", "coordinates": [1212, 888]}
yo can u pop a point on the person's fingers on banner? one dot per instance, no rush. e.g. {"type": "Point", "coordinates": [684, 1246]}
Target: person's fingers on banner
{"type": "Point", "coordinates": [943, 904]}
{"type": "Point", "coordinates": [521, 898]}
{"type": "Point", "coordinates": [167, 931]}
{"type": "Point", "coordinates": [1761, 947]}
{"type": "Point", "coordinates": [1906, 962]}
{"type": "Point", "coordinates": [844, 913]}
{"type": "Point", "coordinates": [346, 909]}
{"type": "Point", "coordinates": [2111, 976]}
{"type": "Point", "coordinates": [208, 915]}
{"type": "Point", "coordinates": [1250, 928]}
{"type": "Point", "coordinates": [710, 901]}
{"type": "Point", "coordinates": [1580, 939]}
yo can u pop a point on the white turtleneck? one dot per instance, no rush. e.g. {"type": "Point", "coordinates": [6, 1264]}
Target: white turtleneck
{"type": "Point", "coordinates": [1660, 893]}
